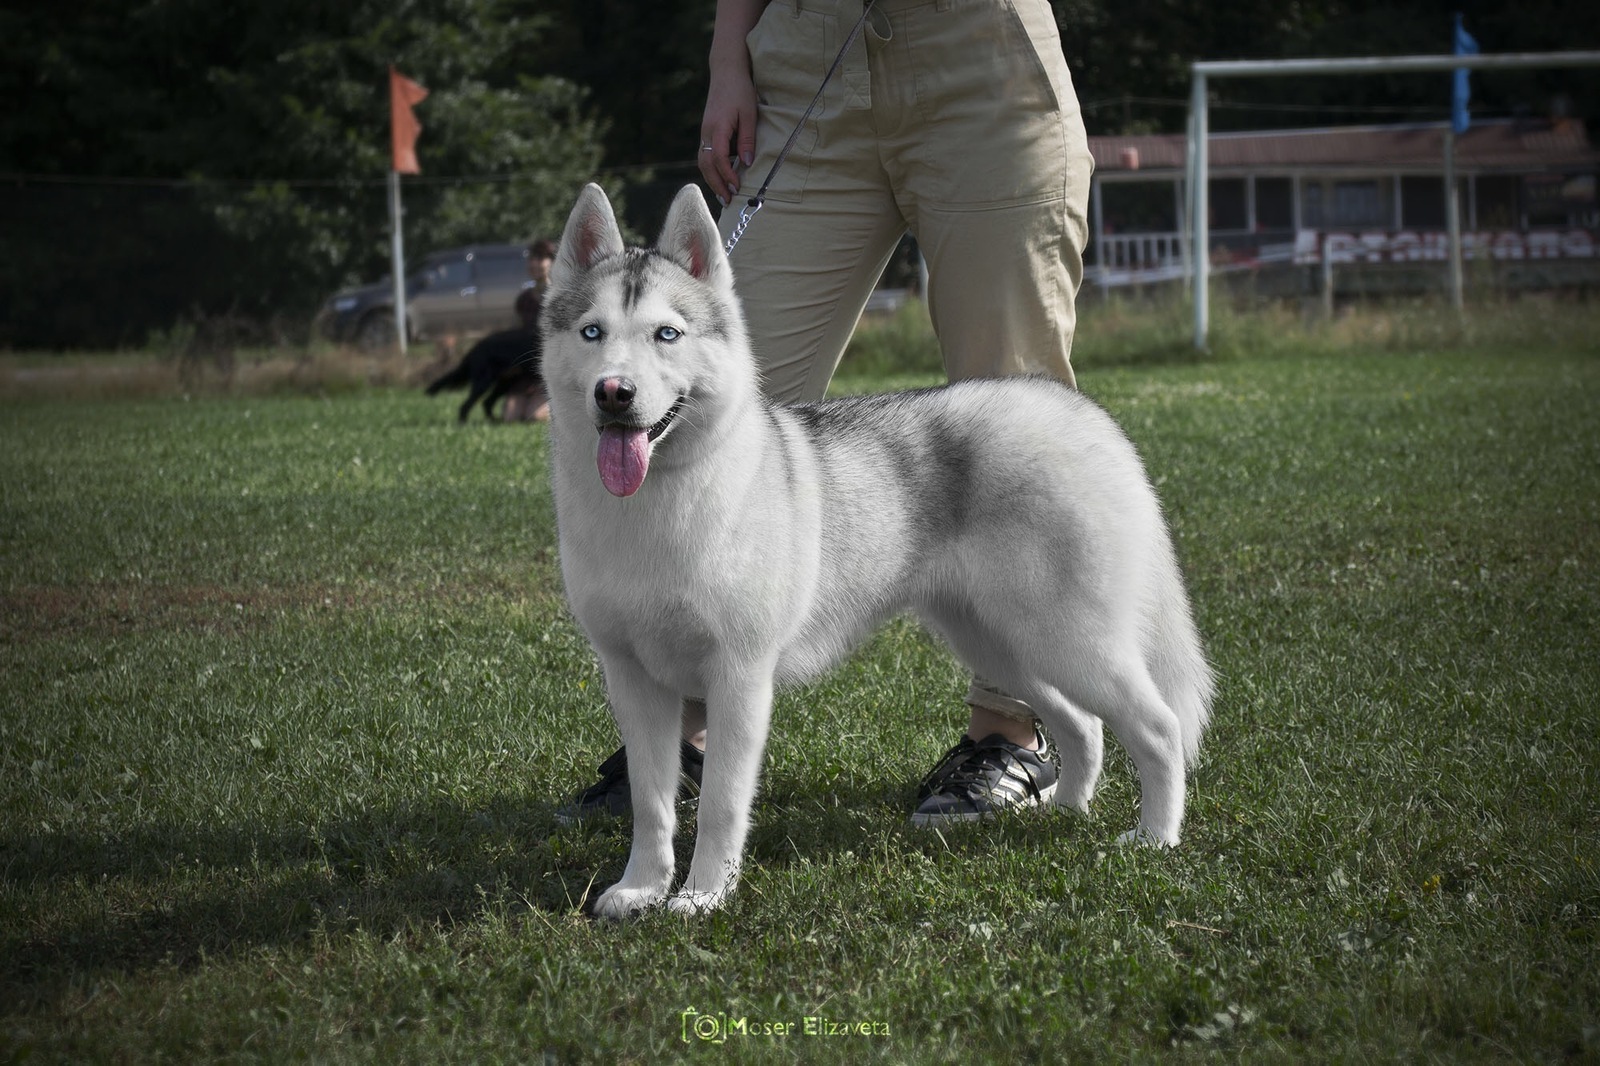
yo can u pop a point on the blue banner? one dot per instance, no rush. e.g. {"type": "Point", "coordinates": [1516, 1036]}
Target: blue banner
{"type": "Point", "coordinates": [1464, 46]}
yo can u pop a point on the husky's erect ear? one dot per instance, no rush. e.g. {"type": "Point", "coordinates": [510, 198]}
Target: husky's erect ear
{"type": "Point", "coordinates": [690, 238]}
{"type": "Point", "coordinates": [591, 234]}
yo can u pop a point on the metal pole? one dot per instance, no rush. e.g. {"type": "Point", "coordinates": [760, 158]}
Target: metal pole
{"type": "Point", "coordinates": [1186, 234]}
{"type": "Point", "coordinates": [1452, 219]}
{"type": "Point", "coordinates": [1202, 210]}
{"type": "Point", "coordinates": [398, 257]}
{"type": "Point", "coordinates": [1260, 68]}
{"type": "Point", "coordinates": [1327, 280]}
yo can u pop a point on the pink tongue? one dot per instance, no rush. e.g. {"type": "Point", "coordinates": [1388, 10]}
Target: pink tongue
{"type": "Point", "coordinates": [624, 457]}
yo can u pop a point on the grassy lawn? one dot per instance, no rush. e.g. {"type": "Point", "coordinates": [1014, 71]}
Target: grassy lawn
{"type": "Point", "coordinates": [288, 697]}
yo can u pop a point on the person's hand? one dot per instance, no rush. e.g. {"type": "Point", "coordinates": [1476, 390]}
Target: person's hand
{"type": "Point", "coordinates": [728, 132]}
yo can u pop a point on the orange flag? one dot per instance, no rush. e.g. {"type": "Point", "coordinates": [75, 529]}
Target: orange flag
{"type": "Point", "coordinates": [403, 125]}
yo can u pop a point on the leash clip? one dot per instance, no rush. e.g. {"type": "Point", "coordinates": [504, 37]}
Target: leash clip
{"type": "Point", "coordinates": [746, 213]}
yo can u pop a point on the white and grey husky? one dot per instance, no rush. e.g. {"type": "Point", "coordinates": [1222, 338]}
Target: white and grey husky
{"type": "Point", "coordinates": [715, 545]}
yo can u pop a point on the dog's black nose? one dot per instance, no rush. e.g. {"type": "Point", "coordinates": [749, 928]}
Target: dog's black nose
{"type": "Point", "coordinates": [614, 395]}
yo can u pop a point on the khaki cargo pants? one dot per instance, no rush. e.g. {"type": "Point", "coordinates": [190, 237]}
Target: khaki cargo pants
{"type": "Point", "coordinates": [955, 119]}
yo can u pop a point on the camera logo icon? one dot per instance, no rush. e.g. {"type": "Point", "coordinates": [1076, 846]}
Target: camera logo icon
{"type": "Point", "coordinates": [707, 1028]}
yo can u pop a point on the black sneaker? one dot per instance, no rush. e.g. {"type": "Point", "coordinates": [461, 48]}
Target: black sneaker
{"type": "Point", "coordinates": [978, 778]}
{"type": "Point", "coordinates": [610, 796]}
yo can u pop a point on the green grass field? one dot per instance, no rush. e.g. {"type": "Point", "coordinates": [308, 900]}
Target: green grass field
{"type": "Point", "coordinates": [289, 696]}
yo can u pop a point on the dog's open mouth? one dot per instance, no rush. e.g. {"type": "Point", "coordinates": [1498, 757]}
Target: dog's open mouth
{"type": "Point", "coordinates": [624, 452]}
{"type": "Point", "coordinates": [667, 419]}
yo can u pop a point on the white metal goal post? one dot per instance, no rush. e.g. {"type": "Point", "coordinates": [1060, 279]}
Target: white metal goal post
{"type": "Point", "coordinates": [1198, 163]}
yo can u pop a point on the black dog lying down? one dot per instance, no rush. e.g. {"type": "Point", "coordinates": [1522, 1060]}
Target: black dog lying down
{"type": "Point", "coordinates": [500, 363]}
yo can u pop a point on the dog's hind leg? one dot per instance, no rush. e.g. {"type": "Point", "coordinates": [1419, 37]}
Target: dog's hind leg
{"type": "Point", "coordinates": [1000, 656]}
{"type": "Point", "coordinates": [501, 387]}
{"type": "Point", "coordinates": [1123, 695]}
{"type": "Point", "coordinates": [471, 402]}
{"type": "Point", "coordinates": [737, 718]}
{"type": "Point", "coordinates": [1080, 744]}
{"type": "Point", "coordinates": [648, 718]}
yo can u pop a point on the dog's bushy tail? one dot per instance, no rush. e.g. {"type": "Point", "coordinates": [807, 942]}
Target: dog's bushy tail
{"type": "Point", "coordinates": [1178, 662]}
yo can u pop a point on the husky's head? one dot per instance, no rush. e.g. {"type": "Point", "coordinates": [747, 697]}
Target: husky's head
{"type": "Point", "coordinates": [642, 346]}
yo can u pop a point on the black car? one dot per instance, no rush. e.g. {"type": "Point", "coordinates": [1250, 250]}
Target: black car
{"type": "Point", "coordinates": [458, 290]}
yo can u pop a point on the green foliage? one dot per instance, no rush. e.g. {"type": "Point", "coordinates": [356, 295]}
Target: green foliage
{"type": "Point", "coordinates": [277, 120]}
{"type": "Point", "coordinates": [525, 142]}
{"type": "Point", "coordinates": [1130, 62]}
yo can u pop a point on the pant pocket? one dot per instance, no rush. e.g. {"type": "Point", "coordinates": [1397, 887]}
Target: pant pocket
{"type": "Point", "coordinates": [788, 58]}
{"type": "Point", "coordinates": [993, 126]}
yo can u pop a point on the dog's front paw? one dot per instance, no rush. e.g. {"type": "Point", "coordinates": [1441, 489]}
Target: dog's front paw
{"type": "Point", "coordinates": [1145, 837]}
{"type": "Point", "coordinates": [618, 902]}
{"type": "Point", "coordinates": [1077, 803]}
{"type": "Point", "coordinates": [697, 902]}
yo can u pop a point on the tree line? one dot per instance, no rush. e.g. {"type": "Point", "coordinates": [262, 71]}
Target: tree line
{"type": "Point", "coordinates": [172, 159]}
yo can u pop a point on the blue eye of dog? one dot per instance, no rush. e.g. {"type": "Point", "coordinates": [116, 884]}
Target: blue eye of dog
{"type": "Point", "coordinates": [591, 332]}
{"type": "Point", "coordinates": [668, 334]}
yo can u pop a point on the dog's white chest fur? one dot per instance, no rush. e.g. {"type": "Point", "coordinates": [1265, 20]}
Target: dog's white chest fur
{"type": "Point", "coordinates": [685, 568]}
